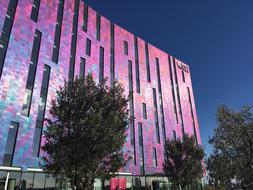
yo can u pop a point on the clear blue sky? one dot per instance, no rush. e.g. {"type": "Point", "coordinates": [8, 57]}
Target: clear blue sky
{"type": "Point", "coordinates": [214, 37]}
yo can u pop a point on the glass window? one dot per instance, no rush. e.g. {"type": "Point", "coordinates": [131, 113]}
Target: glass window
{"type": "Point", "coordinates": [112, 65]}
{"type": "Point", "coordinates": [35, 10]}
{"type": "Point", "coordinates": [138, 88]}
{"type": "Point", "coordinates": [2, 179]}
{"type": "Point", "coordinates": [41, 110]}
{"type": "Point", "coordinates": [39, 180]}
{"type": "Point", "coordinates": [10, 144]}
{"type": "Point", "coordinates": [74, 41]}
{"type": "Point", "coordinates": [57, 35]}
{"type": "Point", "coordinates": [6, 32]}
{"type": "Point", "coordinates": [174, 135]}
{"type": "Point", "coordinates": [156, 116]}
{"type": "Point", "coordinates": [82, 67]}
{"type": "Point", "coordinates": [98, 24]}
{"type": "Point", "coordinates": [31, 74]}
{"type": "Point", "coordinates": [50, 181]}
{"type": "Point", "coordinates": [131, 109]}
{"type": "Point", "coordinates": [27, 180]}
{"type": "Point", "coordinates": [147, 62]}
{"type": "Point", "coordinates": [101, 64]}
{"type": "Point", "coordinates": [154, 157]}
{"type": "Point", "coordinates": [125, 48]}
{"type": "Point", "coordinates": [183, 77]}
{"type": "Point", "coordinates": [85, 18]}
{"type": "Point", "coordinates": [88, 47]}
{"type": "Point", "coordinates": [144, 110]}
{"type": "Point", "coordinates": [173, 88]}
{"type": "Point", "coordinates": [14, 180]}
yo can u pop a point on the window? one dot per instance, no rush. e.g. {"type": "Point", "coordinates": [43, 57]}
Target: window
{"type": "Point", "coordinates": [141, 151]}
{"type": "Point", "coordinates": [178, 96]}
{"type": "Point", "coordinates": [98, 24]}
{"type": "Point", "coordinates": [88, 47]}
{"type": "Point", "coordinates": [112, 58]}
{"type": "Point", "coordinates": [183, 77]}
{"type": "Point", "coordinates": [74, 41]}
{"type": "Point", "coordinates": [156, 116]}
{"type": "Point", "coordinates": [85, 18]}
{"type": "Point", "coordinates": [173, 89]}
{"type": "Point", "coordinates": [131, 109]}
{"type": "Point", "coordinates": [35, 10]}
{"type": "Point", "coordinates": [10, 144]}
{"type": "Point", "coordinates": [101, 64]}
{"type": "Point", "coordinates": [82, 67]}
{"type": "Point", "coordinates": [31, 74]}
{"type": "Point", "coordinates": [160, 97]}
{"type": "Point", "coordinates": [125, 48]}
{"type": "Point", "coordinates": [192, 115]}
{"type": "Point", "coordinates": [154, 157]}
{"type": "Point", "coordinates": [138, 88]}
{"type": "Point", "coordinates": [7, 27]}
{"type": "Point", "coordinates": [147, 62]}
{"type": "Point", "coordinates": [144, 110]}
{"type": "Point", "coordinates": [57, 35]}
{"type": "Point", "coordinates": [41, 111]}
{"type": "Point", "coordinates": [174, 135]}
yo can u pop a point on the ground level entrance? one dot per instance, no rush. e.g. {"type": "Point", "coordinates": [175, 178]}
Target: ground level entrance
{"type": "Point", "coordinates": [16, 179]}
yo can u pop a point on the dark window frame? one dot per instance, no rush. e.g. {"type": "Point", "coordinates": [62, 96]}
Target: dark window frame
{"type": "Point", "coordinates": [58, 29]}
{"type": "Point", "coordinates": [6, 32]}
{"type": "Point", "coordinates": [88, 47]}
{"type": "Point", "coordinates": [35, 10]}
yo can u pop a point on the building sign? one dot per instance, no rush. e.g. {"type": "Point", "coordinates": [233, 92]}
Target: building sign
{"type": "Point", "coordinates": [183, 67]}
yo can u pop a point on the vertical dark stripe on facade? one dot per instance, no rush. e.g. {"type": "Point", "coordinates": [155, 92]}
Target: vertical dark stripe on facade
{"type": "Point", "coordinates": [41, 111]}
{"type": "Point", "coordinates": [101, 64]}
{"type": "Point", "coordinates": [35, 10]}
{"type": "Point", "coordinates": [147, 62]}
{"type": "Point", "coordinates": [154, 155]}
{"type": "Point", "coordinates": [85, 18]}
{"type": "Point", "coordinates": [6, 32]}
{"type": "Point", "coordinates": [137, 69]}
{"type": "Point", "coordinates": [131, 109]}
{"type": "Point", "coordinates": [112, 56]}
{"type": "Point", "coordinates": [141, 150]}
{"type": "Point", "coordinates": [178, 96]}
{"type": "Point", "coordinates": [31, 73]}
{"type": "Point", "coordinates": [73, 41]}
{"type": "Point", "coordinates": [156, 116]}
{"type": "Point", "coordinates": [57, 34]}
{"type": "Point", "coordinates": [173, 89]}
{"type": "Point", "coordinates": [10, 144]}
{"type": "Point", "coordinates": [82, 67]}
{"type": "Point", "coordinates": [192, 115]}
{"type": "Point", "coordinates": [160, 98]}
{"type": "Point", "coordinates": [98, 26]}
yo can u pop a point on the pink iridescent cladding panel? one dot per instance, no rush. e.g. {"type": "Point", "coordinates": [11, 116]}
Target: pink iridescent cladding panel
{"type": "Point", "coordinates": [73, 37]}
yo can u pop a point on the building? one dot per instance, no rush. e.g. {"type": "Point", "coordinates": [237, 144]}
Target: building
{"type": "Point", "coordinates": [42, 43]}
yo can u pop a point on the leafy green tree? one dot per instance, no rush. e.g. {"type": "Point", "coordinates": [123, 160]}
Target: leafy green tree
{"type": "Point", "coordinates": [86, 133]}
{"type": "Point", "coordinates": [217, 172]}
{"type": "Point", "coordinates": [183, 161]}
{"type": "Point", "coordinates": [233, 148]}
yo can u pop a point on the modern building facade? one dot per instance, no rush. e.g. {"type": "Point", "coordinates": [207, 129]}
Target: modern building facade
{"type": "Point", "coordinates": [44, 42]}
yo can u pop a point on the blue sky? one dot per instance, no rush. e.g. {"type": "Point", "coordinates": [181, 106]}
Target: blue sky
{"type": "Point", "coordinates": [214, 37]}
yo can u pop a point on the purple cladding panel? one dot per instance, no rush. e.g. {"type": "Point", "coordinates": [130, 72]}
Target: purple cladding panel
{"type": "Point", "coordinates": [57, 40]}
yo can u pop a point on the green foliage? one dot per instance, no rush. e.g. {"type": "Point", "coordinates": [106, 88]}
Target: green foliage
{"type": "Point", "coordinates": [182, 161]}
{"type": "Point", "coordinates": [85, 136]}
{"type": "Point", "coordinates": [231, 163]}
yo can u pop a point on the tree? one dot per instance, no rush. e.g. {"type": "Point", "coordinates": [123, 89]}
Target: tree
{"type": "Point", "coordinates": [233, 143]}
{"type": "Point", "coordinates": [183, 161]}
{"type": "Point", "coordinates": [85, 136]}
{"type": "Point", "coordinates": [217, 171]}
